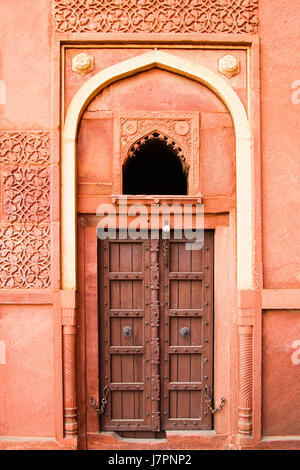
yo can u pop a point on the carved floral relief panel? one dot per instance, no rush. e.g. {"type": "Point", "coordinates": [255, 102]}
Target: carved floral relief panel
{"type": "Point", "coordinates": [24, 147]}
{"type": "Point", "coordinates": [26, 193]}
{"type": "Point", "coordinates": [25, 217]}
{"type": "Point", "coordinates": [179, 130]}
{"type": "Point", "coordinates": [156, 16]}
{"type": "Point", "coordinates": [25, 256]}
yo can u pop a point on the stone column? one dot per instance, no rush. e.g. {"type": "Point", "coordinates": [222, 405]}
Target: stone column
{"type": "Point", "coordinates": [245, 379]}
{"type": "Point", "coordinates": [248, 303]}
{"type": "Point", "coordinates": [69, 330]}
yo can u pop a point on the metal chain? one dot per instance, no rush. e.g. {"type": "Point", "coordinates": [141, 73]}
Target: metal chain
{"type": "Point", "coordinates": [104, 400]}
{"type": "Point", "coordinates": [209, 402]}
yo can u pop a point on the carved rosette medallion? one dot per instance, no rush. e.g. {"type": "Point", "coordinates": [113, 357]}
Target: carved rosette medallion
{"type": "Point", "coordinates": [179, 130]}
{"type": "Point", "coordinates": [83, 64]}
{"type": "Point", "coordinates": [229, 66]}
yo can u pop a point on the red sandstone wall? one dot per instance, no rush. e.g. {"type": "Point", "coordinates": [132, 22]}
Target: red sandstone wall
{"type": "Point", "coordinates": [280, 42]}
{"type": "Point", "coordinates": [280, 67]}
{"type": "Point", "coordinates": [27, 398]}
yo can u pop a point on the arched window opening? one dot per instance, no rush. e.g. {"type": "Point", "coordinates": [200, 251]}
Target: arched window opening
{"type": "Point", "coordinates": [155, 165]}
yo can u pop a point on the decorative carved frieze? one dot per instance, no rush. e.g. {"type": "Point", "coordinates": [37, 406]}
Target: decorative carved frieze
{"type": "Point", "coordinates": [156, 16]}
{"type": "Point", "coordinates": [24, 147]}
{"type": "Point", "coordinates": [179, 130]}
{"type": "Point", "coordinates": [25, 256]}
{"type": "Point", "coordinates": [26, 193]}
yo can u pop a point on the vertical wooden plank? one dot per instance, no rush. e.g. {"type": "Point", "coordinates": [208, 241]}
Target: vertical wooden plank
{"type": "Point", "coordinates": [114, 257]}
{"type": "Point", "coordinates": [196, 404]}
{"type": "Point", "coordinates": [125, 257]}
{"type": "Point", "coordinates": [183, 405]}
{"type": "Point", "coordinates": [173, 331]}
{"type": "Point", "coordinates": [196, 368]}
{"type": "Point", "coordinates": [196, 336]}
{"type": "Point", "coordinates": [174, 257]}
{"type": "Point", "coordinates": [128, 404]}
{"type": "Point", "coordinates": [115, 329]}
{"type": "Point", "coordinates": [173, 294]}
{"type": "Point", "coordinates": [126, 294]}
{"type": "Point", "coordinates": [116, 404]}
{"type": "Point", "coordinates": [137, 255]}
{"type": "Point", "coordinates": [184, 261]}
{"type": "Point", "coordinates": [114, 294]}
{"type": "Point", "coordinates": [196, 262]}
{"type": "Point", "coordinates": [196, 294]}
{"type": "Point", "coordinates": [137, 337]}
{"type": "Point", "coordinates": [116, 370]}
{"type": "Point", "coordinates": [173, 404]}
{"type": "Point", "coordinates": [184, 288]}
{"type": "Point", "coordinates": [138, 368]}
{"type": "Point", "coordinates": [137, 294]}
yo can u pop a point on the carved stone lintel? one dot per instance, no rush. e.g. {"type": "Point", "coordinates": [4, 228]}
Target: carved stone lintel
{"type": "Point", "coordinates": [69, 371]}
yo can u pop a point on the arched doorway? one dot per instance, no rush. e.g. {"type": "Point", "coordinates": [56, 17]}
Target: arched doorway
{"type": "Point", "coordinates": [243, 153]}
{"type": "Point", "coordinates": [154, 166]}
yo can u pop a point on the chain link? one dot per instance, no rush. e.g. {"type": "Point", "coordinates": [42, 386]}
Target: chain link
{"type": "Point", "coordinates": [208, 401]}
{"type": "Point", "coordinates": [104, 400]}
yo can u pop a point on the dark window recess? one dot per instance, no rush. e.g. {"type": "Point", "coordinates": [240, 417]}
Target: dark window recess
{"type": "Point", "coordinates": [155, 168]}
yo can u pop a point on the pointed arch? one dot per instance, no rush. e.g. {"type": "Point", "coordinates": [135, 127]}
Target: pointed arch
{"type": "Point", "coordinates": [157, 134]}
{"type": "Point", "coordinates": [193, 71]}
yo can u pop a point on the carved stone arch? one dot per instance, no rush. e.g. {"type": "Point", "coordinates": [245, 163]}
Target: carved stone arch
{"type": "Point", "coordinates": [244, 170]}
{"type": "Point", "coordinates": [182, 128]}
{"type": "Point", "coordinates": [135, 146]}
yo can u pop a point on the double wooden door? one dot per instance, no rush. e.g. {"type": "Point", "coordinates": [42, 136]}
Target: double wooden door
{"type": "Point", "coordinates": [156, 333]}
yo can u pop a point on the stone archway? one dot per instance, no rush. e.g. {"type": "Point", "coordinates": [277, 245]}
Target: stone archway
{"type": "Point", "coordinates": [244, 193]}
{"type": "Point", "coordinates": [244, 183]}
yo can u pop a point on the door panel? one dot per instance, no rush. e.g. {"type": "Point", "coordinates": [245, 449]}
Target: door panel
{"type": "Point", "coordinates": [156, 333]}
{"type": "Point", "coordinates": [186, 334]}
{"type": "Point", "coordinates": [124, 305]}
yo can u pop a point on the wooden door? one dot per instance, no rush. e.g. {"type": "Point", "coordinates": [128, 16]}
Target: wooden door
{"type": "Point", "coordinates": [186, 334]}
{"type": "Point", "coordinates": [156, 334]}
